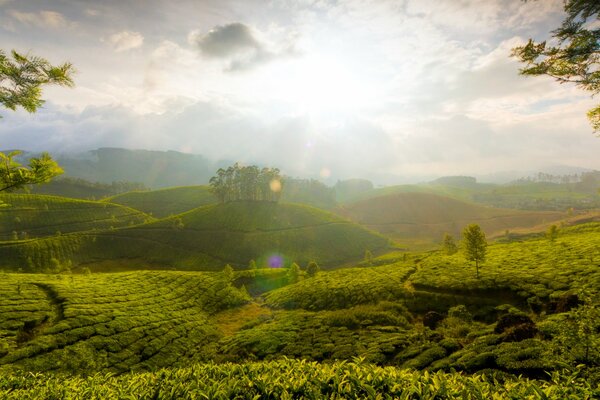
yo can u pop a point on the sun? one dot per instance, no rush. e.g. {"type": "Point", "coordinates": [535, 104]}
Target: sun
{"type": "Point", "coordinates": [319, 84]}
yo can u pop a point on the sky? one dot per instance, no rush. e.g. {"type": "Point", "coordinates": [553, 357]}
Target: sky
{"type": "Point", "coordinates": [386, 90]}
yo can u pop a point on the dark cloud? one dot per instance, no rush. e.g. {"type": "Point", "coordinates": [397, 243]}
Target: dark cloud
{"type": "Point", "coordinates": [225, 41]}
{"type": "Point", "coordinates": [238, 45]}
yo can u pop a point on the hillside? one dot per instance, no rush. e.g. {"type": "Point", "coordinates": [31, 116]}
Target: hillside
{"type": "Point", "coordinates": [208, 238]}
{"type": "Point", "coordinates": [33, 216]}
{"type": "Point", "coordinates": [423, 311]}
{"type": "Point", "coordinates": [426, 217]}
{"type": "Point", "coordinates": [165, 202]}
{"type": "Point", "coordinates": [524, 195]}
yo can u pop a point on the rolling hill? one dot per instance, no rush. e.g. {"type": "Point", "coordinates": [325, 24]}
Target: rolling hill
{"type": "Point", "coordinates": [426, 217]}
{"type": "Point", "coordinates": [208, 238]}
{"type": "Point", "coordinates": [31, 216]}
{"type": "Point", "coordinates": [165, 202]}
{"type": "Point", "coordinates": [144, 320]}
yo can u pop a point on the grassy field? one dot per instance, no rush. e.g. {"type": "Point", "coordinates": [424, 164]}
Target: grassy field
{"type": "Point", "coordinates": [422, 217]}
{"type": "Point", "coordinates": [208, 238]}
{"type": "Point", "coordinates": [166, 202]}
{"type": "Point", "coordinates": [33, 216]}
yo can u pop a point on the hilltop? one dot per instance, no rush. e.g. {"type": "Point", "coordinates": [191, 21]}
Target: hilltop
{"type": "Point", "coordinates": [165, 202]}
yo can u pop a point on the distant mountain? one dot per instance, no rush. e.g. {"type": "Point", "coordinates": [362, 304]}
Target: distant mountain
{"type": "Point", "coordinates": [154, 169]}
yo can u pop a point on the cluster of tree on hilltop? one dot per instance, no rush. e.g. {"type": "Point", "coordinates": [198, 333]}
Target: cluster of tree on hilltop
{"type": "Point", "coordinates": [246, 183]}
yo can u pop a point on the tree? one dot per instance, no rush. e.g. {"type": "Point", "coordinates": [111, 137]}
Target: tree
{"type": "Point", "coordinates": [368, 258]}
{"type": "Point", "coordinates": [475, 245]}
{"type": "Point", "coordinates": [246, 183]}
{"type": "Point", "coordinates": [449, 244]}
{"type": "Point", "coordinates": [312, 268]}
{"type": "Point", "coordinates": [576, 56]}
{"type": "Point", "coordinates": [252, 265]}
{"type": "Point", "coordinates": [552, 233]}
{"type": "Point", "coordinates": [21, 81]}
{"type": "Point", "coordinates": [293, 274]}
{"type": "Point", "coordinates": [228, 273]}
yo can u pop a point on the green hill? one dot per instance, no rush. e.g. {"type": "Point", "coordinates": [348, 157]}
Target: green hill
{"type": "Point", "coordinates": [165, 202]}
{"type": "Point", "coordinates": [537, 196]}
{"type": "Point", "coordinates": [31, 216]}
{"type": "Point", "coordinates": [426, 217]}
{"type": "Point", "coordinates": [144, 320]}
{"type": "Point", "coordinates": [208, 238]}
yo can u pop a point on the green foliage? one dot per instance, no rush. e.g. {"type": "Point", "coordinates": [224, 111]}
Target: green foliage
{"type": "Point", "coordinates": [13, 175]}
{"type": "Point", "coordinates": [252, 265]}
{"type": "Point", "coordinates": [21, 80]}
{"type": "Point", "coordinates": [475, 245]}
{"type": "Point", "coordinates": [293, 273]}
{"type": "Point", "coordinates": [312, 269]}
{"type": "Point", "coordinates": [228, 273]}
{"type": "Point", "coordinates": [449, 245]}
{"type": "Point", "coordinates": [246, 183]}
{"type": "Point", "coordinates": [576, 336]}
{"type": "Point", "coordinates": [575, 58]}
{"type": "Point", "coordinates": [343, 288]}
{"type": "Point", "coordinates": [518, 271]}
{"type": "Point", "coordinates": [288, 379]}
{"type": "Point", "coordinates": [22, 77]}
{"type": "Point", "coordinates": [110, 322]}
{"type": "Point", "coordinates": [552, 233]}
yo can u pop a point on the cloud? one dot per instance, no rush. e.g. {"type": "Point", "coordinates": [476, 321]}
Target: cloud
{"type": "Point", "coordinates": [126, 40]}
{"type": "Point", "coordinates": [41, 19]}
{"type": "Point", "coordinates": [239, 46]}
{"type": "Point", "coordinates": [226, 40]}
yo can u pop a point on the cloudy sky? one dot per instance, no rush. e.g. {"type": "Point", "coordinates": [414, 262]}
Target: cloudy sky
{"type": "Point", "coordinates": [339, 88]}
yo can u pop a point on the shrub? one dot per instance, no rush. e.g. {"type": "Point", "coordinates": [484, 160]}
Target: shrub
{"type": "Point", "coordinates": [431, 319]}
{"type": "Point", "coordinates": [510, 320]}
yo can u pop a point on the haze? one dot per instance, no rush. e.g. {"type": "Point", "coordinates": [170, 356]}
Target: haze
{"type": "Point", "coordinates": [382, 89]}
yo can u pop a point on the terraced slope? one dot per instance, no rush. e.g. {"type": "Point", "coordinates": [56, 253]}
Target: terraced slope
{"type": "Point", "coordinates": [115, 323]}
{"type": "Point", "coordinates": [208, 238]}
{"type": "Point", "coordinates": [31, 216]}
{"type": "Point", "coordinates": [165, 202]}
{"type": "Point", "coordinates": [144, 320]}
{"type": "Point", "coordinates": [428, 216]}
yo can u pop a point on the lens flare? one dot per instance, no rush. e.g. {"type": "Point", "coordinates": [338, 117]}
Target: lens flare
{"type": "Point", "coordinates": [275, 261]}
{"type": "Point", "coordinates": [275, 185]}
